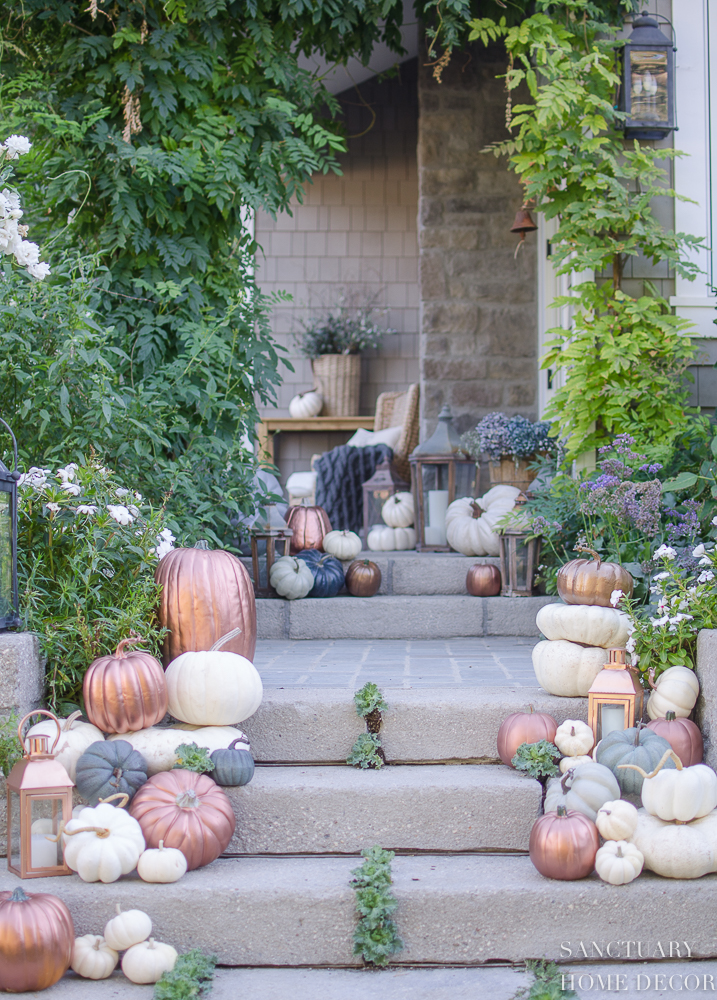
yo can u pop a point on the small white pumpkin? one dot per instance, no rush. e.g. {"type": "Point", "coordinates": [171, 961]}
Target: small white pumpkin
{"type": "Point", "coordinates": [567, 762]}
{"type": "Point", "coordinates": [588, 624]}
{"type": "Point", "coordinates": [618, 862]}
{"type": "Point", "coordinates": [682, 793]}
{"type": "Point", "coordinates": [675, 690]}
{"type": "Point", "coordinates": [162, 864]}
{"type": "Point", "coordinates": [75, 738]}
{"type": "Point", "coordinates": [92, 957]}
{"type": "Point", "coordinates": [213, 687]}
{"type": "Point", "coordinates": [470, 524]}
{"type": "Point", "coordinates": [127, 928]}
{"type": "Point", "coordinates": [574, 738]}
{"type": "Point", "coordinates": [566, 669]}
{"type": "Point", "coordinates": [677, 850]}
{"type": "Point", "coordinates": [291, 578]}
{"type": "Point", "coordinates": [345, 545]}
{"type": "Point", "coordinates": [617, 820]}
{"type": "Point", "coordinates": [102, 843]}
{"type": "Point", "coordinates": [385, 539]}
{"type": "Point", "coordinates": [398, 512]}
{"type": "Point", "coordinates": [147, 962]}
{"type": "Point", "coordinates": [305, 405]}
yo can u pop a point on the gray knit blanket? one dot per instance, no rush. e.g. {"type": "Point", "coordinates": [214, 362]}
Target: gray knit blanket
{"type": "Point", "coordinates": [341, 473]}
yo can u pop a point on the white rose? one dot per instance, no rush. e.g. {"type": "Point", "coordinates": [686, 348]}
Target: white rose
{"type": "Point", "coordinates": [27, 253]}
{"type": "Point", "coordinates": [39, 271]}
{"type": "Point", "coordinates": [15, 146]}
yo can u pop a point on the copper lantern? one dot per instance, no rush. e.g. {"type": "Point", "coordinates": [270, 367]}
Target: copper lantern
{"type": "Point", "coordinates": [271, 529]}
{"type": "Point", "coordinates": [615, 697]}
{"type": "Point", "coordinates": [440, 472]}
{"type": "Point", "coordinates": [519, 554]}
{"type": "Point", "coordinates": [384, 483]}
{"type": "Point", "coordinates": [39, 803]}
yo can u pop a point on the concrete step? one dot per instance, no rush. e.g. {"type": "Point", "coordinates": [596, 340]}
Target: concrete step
{"type": "Point", "coordinates": [339, 810]}
{"type": "Point", "coordinates": [398, 617]}
{"type": "Point", "coordinates": [452, 910]}
{"type": "Point", "coordinates": [320, 725]}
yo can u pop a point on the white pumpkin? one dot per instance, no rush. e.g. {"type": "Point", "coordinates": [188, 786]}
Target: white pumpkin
{"type": "Point", "coordinates": [470, 524]}
{"type": "Point", "coordinates": [158, 744]}
{"type": "Point", "coordinates": [305, 405]}
{"type": "Point", "coordinates": [99, 856]}
{"type": "Point", "coordinates": [567, 762]}
{"type": "Point", "coordinates": [147, 962]}
{"type": "Point", "coordinates": [345, 545]}
{"type": "Point", "coordinates": [398, 512]}
{"type": "Point", "coordinates": [574, 738]}
{"type": "Point", "coordinates": [586, 789]}
{"type": "Point", "coordinates": [385, 539]}
{"type": "Point", "coordinates": [590, 625]}
{"type": "Point", "coordinates": [75, 738]}
{"type": "Point", "coordinates": [618, 862]}
{"type": "Point", "coordinates": [566, 669]}
{"type": "Point", "coordinates": [162, 864]}
{"type": "Point", "coordinates": [213, 687]}
{"type": "Point", "coordinates": [675, 690]}
{"type": "Point", "coordinates": [616, 820]}
{"type": "Point", "coordinates": [291, 577]}
{"type": "Point", "coordinates": [677, 850]}
{"type": "Point", "coordinates": [127, 928]}
{"type": "Point", "coordinates": [680, 793]}
{"type": "Point", "coordinates": [92, 957]}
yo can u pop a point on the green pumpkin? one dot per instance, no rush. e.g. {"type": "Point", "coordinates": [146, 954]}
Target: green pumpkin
{"type": "Point", "coordinates": [639, 746]}
{"type": "Point", "coordinates": [109, 767]}
{"type": "Point", "coordinates": [585, 789]}
{"type": "Point", "coordinates": [233, 766]}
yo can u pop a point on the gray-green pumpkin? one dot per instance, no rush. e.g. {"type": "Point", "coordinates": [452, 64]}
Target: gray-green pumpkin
{"type": "Point", "coordinates": [637, 745]}
{"type": "Point", "coordinates": [585, 789]}
{"type": "Point", "coordinates": [109, 767]}
{"type": "Point", "coordinates": [233, 765]}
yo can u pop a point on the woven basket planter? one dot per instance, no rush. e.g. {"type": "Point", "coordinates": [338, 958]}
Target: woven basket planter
{"type": "Point", "coordinates": [338, 378]}
{"type": "Point", "coordinates": [511, 472]}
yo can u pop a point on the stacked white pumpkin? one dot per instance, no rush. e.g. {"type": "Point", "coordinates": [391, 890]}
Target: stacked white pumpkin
{"type": "Point", "coordinates": [397, 533]}
{"type": "Point", "coordinates": [471, 524]}
{"type": "Point", "coordinates": [95, 956]}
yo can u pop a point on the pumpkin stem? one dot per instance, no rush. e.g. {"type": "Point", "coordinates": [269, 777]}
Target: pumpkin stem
{"type": "Point", "coordinates": [118, 908]}
{"type": "Point", "coordinates": [161, 845]}
{"type": "Point", "coordinates": [151, 943]}
{"type": "Point", "coordinates": [68, 721]}
{"type": "Point", "coordinates": [134, 640]}
{"type": "Point", "coordinates": [19, 896]}
{"type": "Point", "coordinates": [118, 795]}
{"type": "Point", "coordinates": [96, 945]}
{"type": "Point", "coordinates": [101, 831]}
{"type": "Point", "coordinates": [239, 739]}
{"type": "Point", "coordinates": [651, 677]}
{"type": "Point", "coordinates": [670, 717]}
{"type": "Point", "coordinates": [476, 510]}
{"type": "Point", "coordinates": [225, 638]}
{"type": "Point", "coordinates": [561, 811]}
{"type": "Point", "coordinates": [663, 759]}
{"type": "Point", "coordinates": [572, 730]}
{"type": "Point", "coordinates": [619, 852]}
{"type": "Point", "coordinates": [593, 553]}
{"type": "Point", "coordinates": [202, 543]}
{"type": "Point", "coordinates": [570, 773]}
{"type": "Point", "coordinates": [187, 800]}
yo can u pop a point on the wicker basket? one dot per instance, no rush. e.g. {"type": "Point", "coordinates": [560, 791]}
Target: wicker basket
{"type": "Point", "coordinates": [338, 378]}
{"type": "Point", "coordinates": [512, 472]}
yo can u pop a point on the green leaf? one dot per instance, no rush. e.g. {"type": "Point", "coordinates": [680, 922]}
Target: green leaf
{"type": "Point", "coordinates": [683, 481]}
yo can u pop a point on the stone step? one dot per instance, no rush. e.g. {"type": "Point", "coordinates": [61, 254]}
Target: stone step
{"type": "Point", "coordinates": [320, 725]}
{"type": "Point", "coordinates": [339, 810]}
{"type": "Point", "coordinates": [398, 617]}
{"type": "Point", "coordinates": [452, 910]}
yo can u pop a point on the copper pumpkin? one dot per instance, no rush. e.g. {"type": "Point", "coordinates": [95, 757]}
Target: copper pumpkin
{"type": "Point", "coordinates": [363, 578]}
{"type": "Point", "coordinates": [683, 736]}
{"type": "Point", "coordinates": [592, 581]}
{"type": "Point", "coordinates": [205, 594]}
{"type": "Point", "coordinates": [524, 727]}
{"type": "Point", "coordinates": [563, 844]}
{"type": "Point", "coordinates": [126, 691]}
{"type": "Point", "coordinates": [188, 811]}
{"type": "Point", "coordinates": [310, 526]}
{"type": "Point", "coordinates": [36, 939]}
{"type": "Point", "coordinates": [483, 580]}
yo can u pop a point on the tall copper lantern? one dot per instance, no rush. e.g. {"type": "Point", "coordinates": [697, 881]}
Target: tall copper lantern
{"type": "Point", "coordinates": [519, 554]}
{"type": "Point", "coordinates": [615, 697]}
{"type": "Point", "coordinates": [39, 802]}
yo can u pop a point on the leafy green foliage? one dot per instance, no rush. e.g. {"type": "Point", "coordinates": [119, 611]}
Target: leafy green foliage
{"type": "Point", "coordinates": [369, 699]}
{"type": "Point", "coordinates": [376, 936]}
{"type": "Point", "coordinates": [343, 331]}
{"type": "Point", "coordinates": [538, 759]}
{"type": "Point", "coordinates": [10, 749]}
{"type": "Point", "coordinates": [190, 978]}
{"type": "Point", "coordinates": [365, 753]}
{"type": "Point", "coordinates": [191, 757]}
{"type": "Point", "coordinates": [547, 984]}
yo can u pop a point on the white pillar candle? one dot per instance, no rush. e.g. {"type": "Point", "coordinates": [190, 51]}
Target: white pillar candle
{"type": "Point", "coordinates": [612, 719]}
{"type": "Point", "coordinates": [43, 853]}
{"type": "Point", "coordinates": [437, 507]}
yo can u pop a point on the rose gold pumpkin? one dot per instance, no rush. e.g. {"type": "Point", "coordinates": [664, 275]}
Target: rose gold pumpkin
{"type": "Point", "coordinates": [483, 580]}
{"type": "Point", "coordinates": [36, 939]}
{"type": "Point", "coordinates": [592, 581]}
{"type": "Point", "coordinates": [205, 594]}
{"type": "Point", "coordinates": [126, 691]}
{"type": "Point", "coordinates": [310, 526]}
{"type": "Point", "coordinates": [524, 727]}
{"type": "Point", "coordinates": [563, 844]}
{"type": "Point", "coordinates": [363, 578]}
{"type": "Point", "coordinates": [188, 811]}
{"type": "Point", "coordinates": [683, 736]}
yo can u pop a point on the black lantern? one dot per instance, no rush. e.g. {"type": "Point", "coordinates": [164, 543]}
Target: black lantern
{"type": "Point", "coordinates": [648, 85]}
{"type": "Point", "coordinates": [440, 472]}
{"type": "Point", "coordinates": [9, 617]}
{"type": "Point", "coordinates": [272, 534]}
{"type": "Point", "coordinates": [519, 554]}
{"type": "Point", "coordinates": [384, 483]}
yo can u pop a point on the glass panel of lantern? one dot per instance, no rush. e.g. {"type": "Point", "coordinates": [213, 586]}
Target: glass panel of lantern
{"type": "Point", "coordinates": [435, 483]}
{"type": "Point", "coordinates": [376, 491]}
{"type": "Point", "coordinates": [615, 698]}
{"type": "Point", "coordinates": [9, 617]}
{"type": "Point", "coordinates": [519, 554]}
{"type": "Point", "coordinates": [648, 84]}
{"type": "Point", "coordinates": [270, 538]}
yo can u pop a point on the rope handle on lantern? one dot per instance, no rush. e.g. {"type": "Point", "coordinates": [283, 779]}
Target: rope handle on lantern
{"type": "Point", "coordinates": [38, 711]}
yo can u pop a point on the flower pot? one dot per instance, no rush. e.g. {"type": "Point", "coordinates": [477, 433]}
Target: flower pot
{"type": "Point", "coordinates": [512, 472]}
{"type": "Point", "coordinates": [338, 378]}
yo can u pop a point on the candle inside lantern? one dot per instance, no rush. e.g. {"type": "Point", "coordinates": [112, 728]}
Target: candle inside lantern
{"type": "Point", "coordinates": [612, 719]}
{"type": "Point", "coordinates": [435, 530]}
{"type": "Point", "coordinates": [43, 853]}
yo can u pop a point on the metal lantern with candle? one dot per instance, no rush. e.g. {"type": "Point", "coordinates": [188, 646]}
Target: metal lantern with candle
{"type": "Point", "coordinates": [384, 483]}
{"type": "Point", "coordinates": [615, 697]}
{"type": "Point", "coordinates": [271, 529]}
{"type": "Point", "coordinates": [440, 472]}
{"type": "Point", "coordinates": [39, 802]}
{"type": "Point", "coordinates": [519, 554]}
{"type": "Point", "coordinates": [9, 617]}
{"type": "Point", "coordinates": [648, 86]}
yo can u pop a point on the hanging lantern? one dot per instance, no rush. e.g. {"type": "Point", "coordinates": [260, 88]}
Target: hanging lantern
{"type": "Point", "coordinates": [9, 617]}
{"type": "Point", "coordinates": [440, 472]}
{"type": "Point", "coordinates": [648, 86]}
{"type": "Point", "coordinates": [615, 697]}
{"type": "Point", "coordinates": [384, 483]}
{"type": "Point", "coordinates": [39, 802]}
{"type": "Point", "coordinates": [269, 535]}
{"type": "Point", "coordinates": [519, 554]}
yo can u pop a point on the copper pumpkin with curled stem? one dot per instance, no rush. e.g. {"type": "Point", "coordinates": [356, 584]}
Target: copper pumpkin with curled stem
{"type": "Point", "coordinates": [592, 581]}
{"type": "Point", "coordinates": [126, 691]}
{"type": "Point", "coordinates": [563, 844]}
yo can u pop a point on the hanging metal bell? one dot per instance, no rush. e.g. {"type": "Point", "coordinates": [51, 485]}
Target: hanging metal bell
{"type": "Point", "coordinates": [523, 222]}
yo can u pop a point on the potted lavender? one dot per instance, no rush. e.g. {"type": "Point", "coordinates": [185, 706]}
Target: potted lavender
{"type": "Point", "coordinates": [511, 444]}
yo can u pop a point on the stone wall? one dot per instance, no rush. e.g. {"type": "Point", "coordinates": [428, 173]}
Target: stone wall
{"type": "Point", "coordinates": [478, 301]}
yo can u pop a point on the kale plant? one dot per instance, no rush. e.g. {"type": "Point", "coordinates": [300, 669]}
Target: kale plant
{"type": "Point", "coordinates": [191, 757]}
{"type": "Point", "coordinates": [366, 752]}
{"type": "Point", "coordinates": [376, 936]}
{"type": "Point", "coordinates": [190, 979]}
{"type": "Point", "coordinates": [538, 759]}
{"type": "Point", "coordinates": [369, 699]}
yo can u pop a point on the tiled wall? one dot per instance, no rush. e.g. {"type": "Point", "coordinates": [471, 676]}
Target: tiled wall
{"type": "Point", "coordinates": [354, 237]}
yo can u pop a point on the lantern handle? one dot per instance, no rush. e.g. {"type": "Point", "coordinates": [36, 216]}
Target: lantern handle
{"type": "Point", "coordinates": [15, 473]}
{"type": "Point", "coordinates": [38, 711]}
